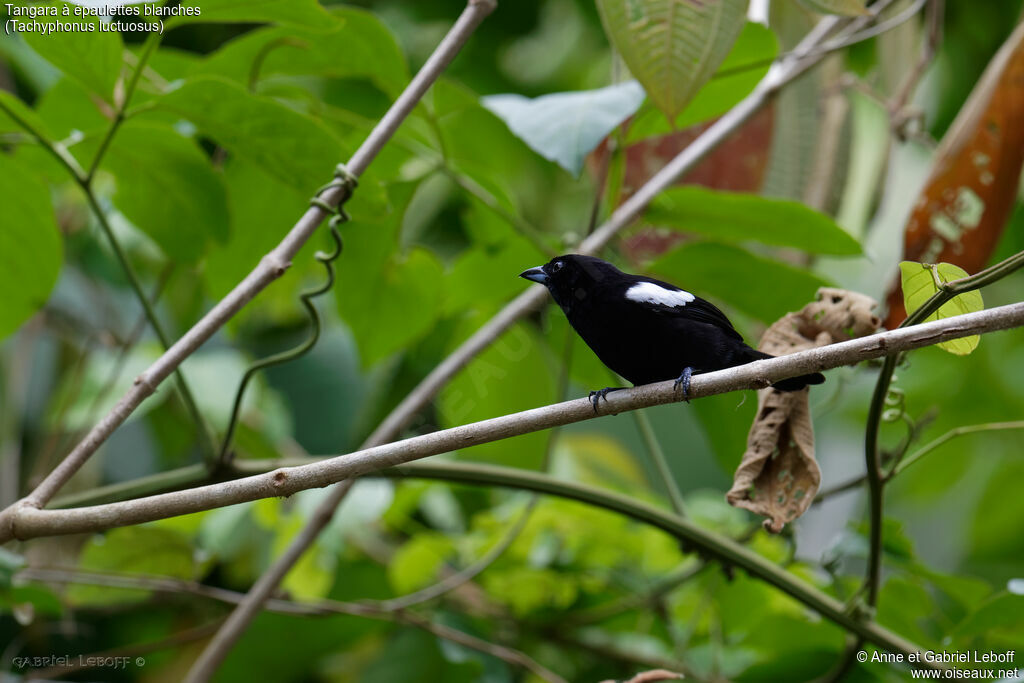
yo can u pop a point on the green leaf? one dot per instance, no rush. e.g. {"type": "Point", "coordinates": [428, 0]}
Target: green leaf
{"type": "Point", "coordinates": [919, 284]}
{"type": "Point", "coordinates": [745, 65]}
{"type": "Point", "coordinates": [738, 217]}
{"type": "Point", "coordinates": [416, 564]}
{"type": "Point", "coordinates": [527, 590]}
{"type": "Point", "coordinates": [106, 376]}
{"type": "Point", "coordinates": [566, 127]}
{"type": "Point", "coordinates": [510, 375]}
{"type": "Point", "coordinates": [306, 13]}
{"type": "Point", "coordinates": [763, 288]}
{"type": "Point", "coordinates": [22, 112]}
{"type": "Point", "coordinates": [168, 189]}
{"type": "Point", "coordinates": [91, 57]}
{"type": "Point", "coordinates": [846, 8]}
{"type": "Point", "coordinates": [133, 550]}
{"type": "Point", "coordinates": [405, 302]}
{"type": "Point", "coordinates": [358, 46]}
{"type": "Point", "coordinates": [30, 246]}
{"type": "Point", "coordinates": [293, 148]}
{"type": "Point", "coordinates": [1002, 612]}
{"type": "Point", "coordinates": [9, 564]}
{"type": "Point", "coordinates": [261, 208]}
{"type": "Point", "coordinates": [674, 47]}
{"type": "Point", "coordinates": [598, 460]}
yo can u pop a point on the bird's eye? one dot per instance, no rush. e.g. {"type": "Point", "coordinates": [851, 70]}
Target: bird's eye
{"type": "Point", "coordinates": [557, 266]}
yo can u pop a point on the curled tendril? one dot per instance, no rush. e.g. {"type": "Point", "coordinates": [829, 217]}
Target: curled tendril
{"type": "Point", "coordinates": [342, 179]}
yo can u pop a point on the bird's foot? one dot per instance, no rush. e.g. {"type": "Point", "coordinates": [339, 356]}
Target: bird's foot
{"type": "Point", "coordinates": [596, 396]}
{"type": "Point", "coordinates": [684, 380]}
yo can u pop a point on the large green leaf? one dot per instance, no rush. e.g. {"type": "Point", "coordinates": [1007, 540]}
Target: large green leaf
{"type": "Point", "coordinates": [292, 147]}
{"type": "Point", "coordinates": [261, 209]}
{"type": "Point", "coordinates": [920, 281]}
{"type": "Point", "coordinates": [306, 13]}
{"type": "Point", "coordinates": [358, 46]}
{"type": "Point", "coordinates": [763, 288]}
{"type": "Point", "coordinates": [21, 115]}
{"type": "Point", "coordinates": [91, 57]}
{"type": "Point", "coordinates": [746, 64]}
{"type": "Point", "coordinates": [510, 375]}
{"type": "Point", "coordinates": [565, 127]}
{"type": "Point", "coordinates": [673, 46]}
{"type": "Point", "coordinates": [741, 217]}
{"type": "Point", "coordinates": [168, 189]}
{"type": "Point", "coordinates": [30, 246]}
{"type": "Point", "coordinates": [137, 550]}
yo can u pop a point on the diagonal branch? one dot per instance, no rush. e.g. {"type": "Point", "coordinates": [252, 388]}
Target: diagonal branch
{"type": "Point", "coordinates": [213, 655]}
{"type": "Point", "coordinates": [24, 522]}
{"type": "Point", "coordinates": [272, 266]}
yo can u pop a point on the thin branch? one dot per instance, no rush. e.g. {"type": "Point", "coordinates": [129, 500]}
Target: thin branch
{"type": "Point", "coordinates": [211, 658]}
{"type": "Point", "coordinates": [25, 521]}
{"type": "Point", "coordinates": [643, 424]}
{"type": "Point", "coordinates": [170, 585]}
{"type": "Point", "coordinates": [783, 72]}
{"type": "Point", "coordinates": [456, 579]}
{"type": "Point", "coordinates": [252, 604]}
{"type": "Point", "coordinates": [952, 434]}
{"type": "Point", "coordinates": [872, 453]}
{"type": "Point", "coordinates": [272, 266]}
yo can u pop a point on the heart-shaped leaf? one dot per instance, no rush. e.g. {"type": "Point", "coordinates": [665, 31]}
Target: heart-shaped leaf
{"type": "Point", "coordinates": [565, 127]}
{"type": "Point", "coordinates": [921, 281]}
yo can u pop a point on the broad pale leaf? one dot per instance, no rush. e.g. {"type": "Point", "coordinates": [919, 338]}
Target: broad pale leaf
{"type": "Point", "coordinates": [673, 47]}
{"type": "Point", "coordinates": [566, 127]}
{"type": "Point", "coordinates": [742, 217]}
{"type": "Point", "coordinates": [919, 284]}
{"type": "Point", "coordinates": [966, 201]}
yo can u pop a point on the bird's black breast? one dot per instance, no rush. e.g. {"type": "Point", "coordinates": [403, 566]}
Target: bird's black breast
{"type": "Point", "coordinates": [647, 342]}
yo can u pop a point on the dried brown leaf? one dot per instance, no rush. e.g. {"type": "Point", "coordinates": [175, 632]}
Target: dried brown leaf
{"type": "Point", "coordinates": [778, 476]}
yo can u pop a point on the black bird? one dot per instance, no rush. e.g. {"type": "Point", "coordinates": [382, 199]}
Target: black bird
{"type": "Point", "coordinates": [644, 329]}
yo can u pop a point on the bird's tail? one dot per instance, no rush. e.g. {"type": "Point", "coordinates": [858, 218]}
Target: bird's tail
{"type": "Point", "coordinates": [793, 383]}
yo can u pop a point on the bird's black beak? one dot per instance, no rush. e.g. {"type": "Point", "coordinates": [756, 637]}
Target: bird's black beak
{"type": "Point", "coordinates": [535, 274]}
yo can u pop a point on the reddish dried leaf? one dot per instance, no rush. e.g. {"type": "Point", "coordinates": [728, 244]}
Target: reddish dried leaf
{"type": "Point", "coordinates": [738, 165]}
{"type": "Point", "coordinates": [967, 199]}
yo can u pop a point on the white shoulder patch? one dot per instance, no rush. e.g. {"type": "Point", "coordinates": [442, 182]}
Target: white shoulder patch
{"type": "Point", "coordinates": [650, 293]}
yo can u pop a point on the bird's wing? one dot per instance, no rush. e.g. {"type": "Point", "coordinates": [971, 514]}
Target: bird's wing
{"type": "Point", "coordinates": [671, 301]}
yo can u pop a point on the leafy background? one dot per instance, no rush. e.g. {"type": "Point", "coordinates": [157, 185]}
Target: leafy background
{"type": "Point", "coordinates": [244, 112]}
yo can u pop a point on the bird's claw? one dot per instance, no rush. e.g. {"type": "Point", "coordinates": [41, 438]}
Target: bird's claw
{"type": "Point", "coordinates": [596, 396]}
{"type": "Point", "coordinates": [684, 380]}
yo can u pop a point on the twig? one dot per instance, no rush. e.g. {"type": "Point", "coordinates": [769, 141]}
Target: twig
{"type": "Point", "coordinates": [25, 522]}
{"type": "Point", "coordinates": [533, 298]}
{"type": "Point", "coordinates": [872, 454]}
{"type": "Point", "coordinates": [320, 608]}
{"type": "Point", "coordinates": [952, 434]}
{"type": "Point", "coordinates": [643, 424]}
{"type": "Point", "coordinates": [456, 579]}
{"type": "Point", "coordinates": [271, 266]}
{"type": "Point", "coordinates": [207, 663]}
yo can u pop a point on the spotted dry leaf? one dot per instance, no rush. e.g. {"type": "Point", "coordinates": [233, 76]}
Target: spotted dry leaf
{"type": "Point", "coordinates": [779, 476]}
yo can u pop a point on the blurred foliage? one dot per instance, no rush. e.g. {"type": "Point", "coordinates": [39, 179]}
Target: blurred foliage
{"type": "Point", "coordinates": [241, 114]}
